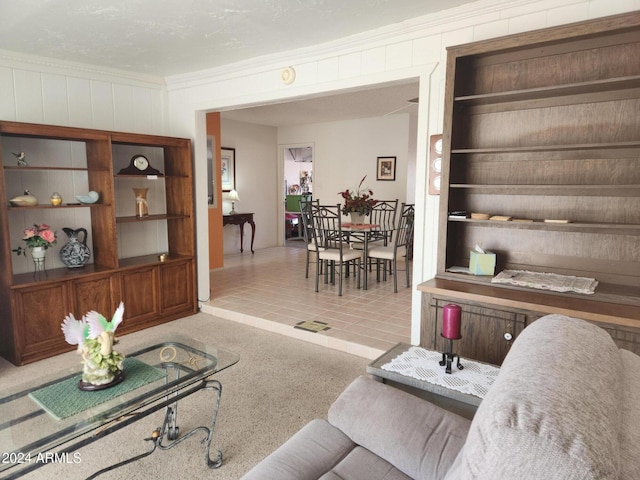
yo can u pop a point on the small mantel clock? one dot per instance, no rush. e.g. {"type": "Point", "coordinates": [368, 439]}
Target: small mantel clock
{"type": "Point", "coordinates": [139, 165]}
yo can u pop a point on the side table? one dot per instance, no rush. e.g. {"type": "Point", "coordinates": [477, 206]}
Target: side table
{"type": "Point", "coordinates": [463, 404]}
{"type": "Point", "coordinates": [240, 219]}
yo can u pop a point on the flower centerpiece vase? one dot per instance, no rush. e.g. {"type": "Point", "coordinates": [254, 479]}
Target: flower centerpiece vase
{"type": "Point", "coordinates": [357, 218]}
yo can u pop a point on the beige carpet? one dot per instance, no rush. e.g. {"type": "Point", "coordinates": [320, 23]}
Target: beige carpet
{"type": "Point", "coordinates": [279, 385]}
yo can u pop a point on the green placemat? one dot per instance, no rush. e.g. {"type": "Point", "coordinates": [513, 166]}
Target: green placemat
{"type": "Point", "coordinates": [64, 399]}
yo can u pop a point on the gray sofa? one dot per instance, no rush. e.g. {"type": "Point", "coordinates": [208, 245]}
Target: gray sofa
{"type": "Point", "coordinates": [565, 406]}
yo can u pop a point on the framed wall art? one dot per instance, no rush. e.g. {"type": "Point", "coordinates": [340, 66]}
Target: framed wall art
{"type": "Point", "coordinates": [228, 169]}
{"type": "Point", "coordinates": [386, 168]}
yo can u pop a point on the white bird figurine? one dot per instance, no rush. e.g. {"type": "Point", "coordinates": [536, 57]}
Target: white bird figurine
{"type": "Point", "coordinates": [92, 326]}
{"type": "Point", "coordinates": [75, 331]}
{"type": "Point", "coordinates": [98, 324]}
{"type": "Point", "coordinates": [22, 160]}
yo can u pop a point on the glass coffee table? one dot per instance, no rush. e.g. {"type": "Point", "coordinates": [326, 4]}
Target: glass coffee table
{"type": "Point", "coordinates": [47, 421]}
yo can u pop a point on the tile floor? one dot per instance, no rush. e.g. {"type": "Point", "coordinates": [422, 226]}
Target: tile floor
{"type": "Point", "coordinates": [268, 290]}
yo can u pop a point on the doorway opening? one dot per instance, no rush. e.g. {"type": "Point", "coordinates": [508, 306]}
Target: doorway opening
{"type": "Point", "coordinates": [297, 160]}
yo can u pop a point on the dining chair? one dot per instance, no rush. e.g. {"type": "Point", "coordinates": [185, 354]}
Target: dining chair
{"type": "Point", "coordinates": [331, 248]}
{"type": "Point", "coordinates": [307, 226]}
{"type": "Point", "coordinates": [401, 245]}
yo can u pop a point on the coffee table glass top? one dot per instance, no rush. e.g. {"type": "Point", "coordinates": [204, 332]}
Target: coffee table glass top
{"type": "Point", "coordinates": [71, 417]}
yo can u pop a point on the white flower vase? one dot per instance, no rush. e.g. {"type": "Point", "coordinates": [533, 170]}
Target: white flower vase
{"type": "Point", "coordinates": [38, 254]}
{"type": "Point", "coordinates": [357, 218]}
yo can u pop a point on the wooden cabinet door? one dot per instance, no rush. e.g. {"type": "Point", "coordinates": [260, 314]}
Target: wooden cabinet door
{"type": "Point", "coordinates": [94, 293]}
{"type": "Point", "coordinates": [139, 290]}
{"type": "Point", "coordinates": [176, 288]}
{"type": "Point", "coordinates": [39, 311]}
{"type": "Point", "coordinates": [487, 333]}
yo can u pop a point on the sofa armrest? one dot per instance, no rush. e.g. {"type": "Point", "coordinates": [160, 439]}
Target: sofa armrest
{"type": "Point", "coordinates": [554, 411]}
{"type": "Point", "coordinates": [418, 438]}
{"type": "Point", "coordinates": [311, 452]}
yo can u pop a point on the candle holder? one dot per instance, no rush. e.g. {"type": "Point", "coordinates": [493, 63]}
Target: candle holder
{"type": "Point", "coordinates": [451, 326]}
{"type": "Point", "coordinates": [449, 357]}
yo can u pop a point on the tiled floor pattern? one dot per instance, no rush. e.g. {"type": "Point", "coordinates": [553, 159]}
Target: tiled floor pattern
{"type": "Point", "coordinates": [268, 290]}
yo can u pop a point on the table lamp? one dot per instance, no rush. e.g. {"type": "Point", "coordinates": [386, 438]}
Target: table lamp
{"type": "Point", "coordinates": [233, 196]}
{"type": "Point", "coordinates": [451, 323]}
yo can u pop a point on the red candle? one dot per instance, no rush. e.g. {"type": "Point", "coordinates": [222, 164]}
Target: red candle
{"type": "Point", "coordinates": [451, 321]}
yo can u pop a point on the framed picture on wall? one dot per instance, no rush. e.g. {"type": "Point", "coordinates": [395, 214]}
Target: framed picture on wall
{"type": "Point", "coordinates": [386, 168]}
{"type": "Point", "coordinates": [228, 169]}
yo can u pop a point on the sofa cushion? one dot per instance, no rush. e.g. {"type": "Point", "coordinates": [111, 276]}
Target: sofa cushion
{"type": "Point", "coordinates": [361, 464]}
{"type": "Point", "coordinates": [307, 455]}
{"type": "Point", "coordinates": [553, 412]}
{"type": "Point", "coordinates": [630, 405]}
{"type": "Point", "coordinates": [415, 436]}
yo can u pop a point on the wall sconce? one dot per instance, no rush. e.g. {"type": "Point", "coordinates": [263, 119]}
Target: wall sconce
{"type": "Point", "coordinates": [233, 196]}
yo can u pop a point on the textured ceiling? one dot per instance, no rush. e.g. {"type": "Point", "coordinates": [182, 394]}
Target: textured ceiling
{"type": "Point", "coordinates": [168, 37]}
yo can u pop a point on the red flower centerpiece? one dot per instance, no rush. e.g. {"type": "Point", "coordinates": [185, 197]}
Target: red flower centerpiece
{"type": "Point", "coordinates": [358, 202]}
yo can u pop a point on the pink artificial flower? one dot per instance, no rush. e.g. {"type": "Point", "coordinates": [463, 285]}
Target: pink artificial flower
{"type": "Point", "coordinates": [48, 236]}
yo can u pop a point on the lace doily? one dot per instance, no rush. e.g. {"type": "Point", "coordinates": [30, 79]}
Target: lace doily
{"type": "Point", "coordinates": [474, 379]}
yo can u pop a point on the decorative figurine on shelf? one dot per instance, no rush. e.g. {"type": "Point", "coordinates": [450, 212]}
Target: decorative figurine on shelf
{"type": "Point", "coordinates": [22, 159]}
{"type": "Point", "coordinates": [142, 205]}
{"type": "Point", "coordinates": [451, 325]}
{"type": "Point", "coordinates": [56, 199]}
{"type": "Point", "coordinates": [94, 336]}
{"type": "Point", "coordinates": [25, 200]}
{"type": "Point", "coordinates": [75, 254]}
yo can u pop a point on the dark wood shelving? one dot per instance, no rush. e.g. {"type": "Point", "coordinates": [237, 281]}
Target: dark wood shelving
{"type": "Point", "coordinates": [537, 224]}
{"type": "Point", "coordinates": [556, 190]}
{"type": "Point", "coordinates": [556, 91]}
{"type": "Point", "coordinates": [549, 148]}
{"type": "Point", "coordinates": [149, 218]}
{"type": "Point", "coordinates": [541, 125]}
{"type": "Point", "coordinates": [38, 168]}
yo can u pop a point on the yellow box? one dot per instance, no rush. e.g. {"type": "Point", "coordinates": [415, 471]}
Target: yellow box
{"type": "Point", "coordinates": [482, 263]}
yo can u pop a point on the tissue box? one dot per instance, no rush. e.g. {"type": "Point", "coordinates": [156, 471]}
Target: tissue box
{"type": "Point", "coordinates": [482, 263]}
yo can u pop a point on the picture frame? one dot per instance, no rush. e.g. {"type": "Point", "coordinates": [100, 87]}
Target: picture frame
{"type": "Point", "coordinates": [386, 169]}
{"type": "Point", "coordinates": [228, 169]}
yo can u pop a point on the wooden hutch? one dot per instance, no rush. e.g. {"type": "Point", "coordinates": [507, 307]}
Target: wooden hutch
{"type": "Point", "coordinates": [541, 125]}
{"type": "Point", "coordinates": [153, 289]}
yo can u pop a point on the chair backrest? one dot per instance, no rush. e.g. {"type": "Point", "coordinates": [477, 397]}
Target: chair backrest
{"type": "Point", "coordinates": [305, 215]}
{"type": "Point", "coordinates": [384, 213]}
{"type": "Point", "coordinates": [327, 226]}
{"type": "Point", "coordinates": [404, 232]}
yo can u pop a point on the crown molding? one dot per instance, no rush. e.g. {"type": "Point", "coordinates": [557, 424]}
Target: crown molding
{"type": "Point", "coordinates": [49, 65]}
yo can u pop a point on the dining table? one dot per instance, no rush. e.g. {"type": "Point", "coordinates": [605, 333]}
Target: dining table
{"type": "Point", "coordinates": [365, 233]}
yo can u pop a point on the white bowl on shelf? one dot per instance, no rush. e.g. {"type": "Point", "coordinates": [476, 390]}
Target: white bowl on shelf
{"type": "Point", "coordinates": [91, 197]}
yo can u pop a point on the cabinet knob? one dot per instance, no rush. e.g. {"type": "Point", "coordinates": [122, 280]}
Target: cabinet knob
{"type": "Point", "coordinates": [508, 337]}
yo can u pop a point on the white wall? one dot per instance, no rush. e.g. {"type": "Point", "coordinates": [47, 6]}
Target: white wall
{"type": "Point", "coordinates": [346, 151]}
{"type": "Point", "coordinates": [256, 180]}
